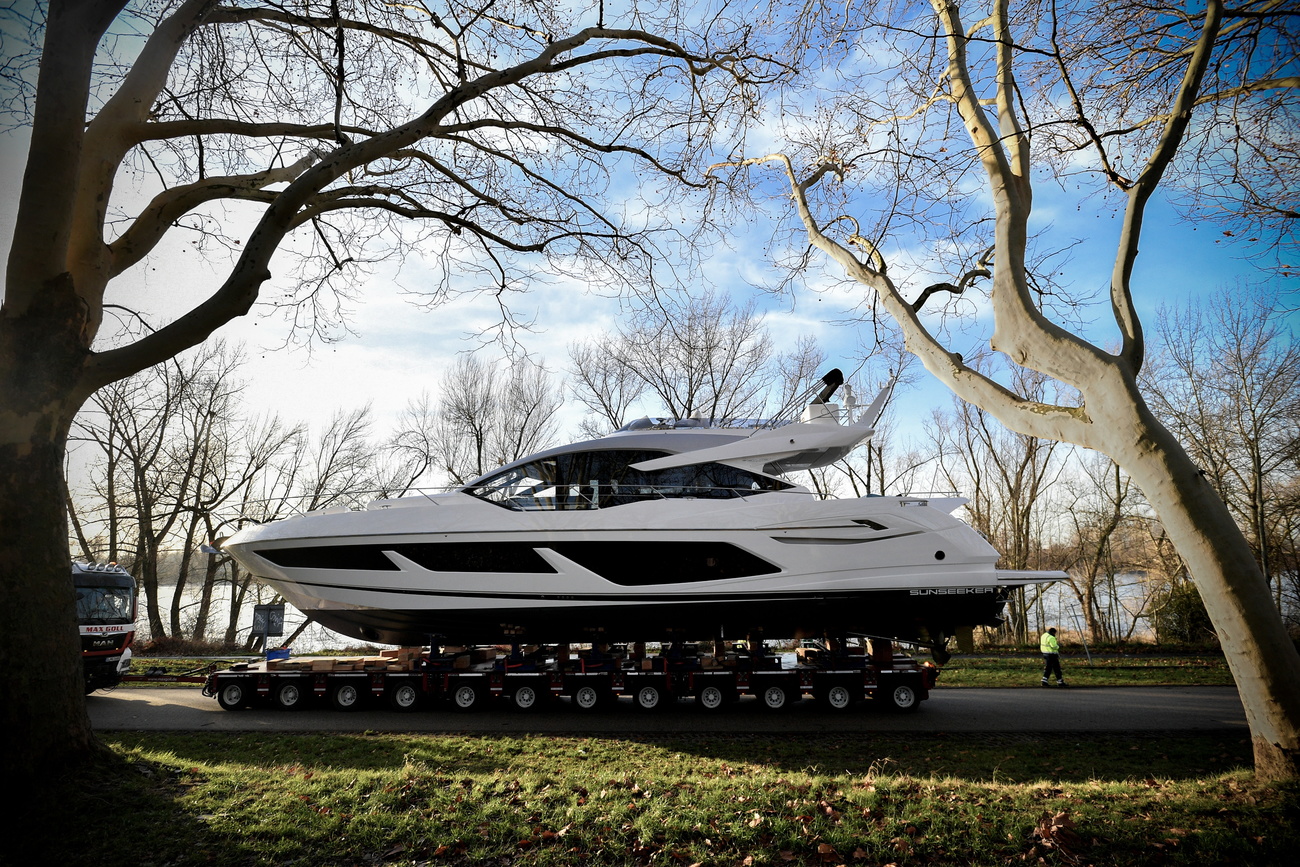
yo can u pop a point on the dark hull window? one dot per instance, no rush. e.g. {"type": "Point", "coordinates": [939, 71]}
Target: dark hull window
{"type": "Point", "coordinates": [476, 557]}
{"type": "Point", "coordinates": [641, 564]}
{"type": "Point", "coordinates": [630, 564]}
{"type": "Point", "coordinates": [436, 556]}
{"type": "Point", "coordinates": [365, 557]}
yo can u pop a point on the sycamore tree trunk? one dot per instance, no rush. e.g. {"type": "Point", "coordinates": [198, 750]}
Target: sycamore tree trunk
{"type": "Point", "coordinates": [1259, 652]}
{"type": "Point", "coordinates": [47, 321]}
{"type": "Point", "coordinates": [1113, 417]}
{"type": "Point", "coordinates": [42, 709]}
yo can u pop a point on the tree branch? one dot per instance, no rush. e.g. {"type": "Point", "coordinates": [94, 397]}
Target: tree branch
{"type": "Point", "coordinates": [167, 207]}
{"type": "Point", "coordinates": [1133, 350]}
{"type": "Point", "coordinates": [286, 211]}
{"type": "Point", "coordinates": [1030, 417]}
{"type": "Point", "coordinates": [47, 218]}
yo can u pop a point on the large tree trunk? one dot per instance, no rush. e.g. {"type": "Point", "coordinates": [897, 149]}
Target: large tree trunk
{"type": "Point", "coordinates": [1260, 654]}
{"type": "Point", "coordinates": [42, 700]}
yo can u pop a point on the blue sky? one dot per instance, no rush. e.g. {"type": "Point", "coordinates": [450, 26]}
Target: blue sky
{"type": "Point", "coordinates": [400, 349]}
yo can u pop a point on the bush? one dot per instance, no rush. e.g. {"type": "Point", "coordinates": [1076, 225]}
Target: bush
{"type": "Point", "coordinates": [168, 646]}
{"type": "Point", "coordinates": [1180, 617]}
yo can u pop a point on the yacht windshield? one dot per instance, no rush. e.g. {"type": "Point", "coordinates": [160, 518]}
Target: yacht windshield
{"type": "Point", "coordinates": [601, 479]}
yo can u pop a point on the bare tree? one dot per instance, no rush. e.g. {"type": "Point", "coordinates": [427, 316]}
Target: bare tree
{"type": "Point", "coordinates": [1110, 558]}
{"type": "Point", "coordinates": [155, 435]}
{"type": "Point", "coordinates": [172, 448]}
{"type": "Point", "coordinates": [1006, 478]}
{"type": "Point", "coordinates": [1227, 382]}
{"type": "Point", "coordinates": [409, 454]}
{"type": "Point", "coordinates": [1125, 100]}
{"type": "Point", "coordinates": [692, 356]}
{"type": "Point", "coordinates": [485, 419]}
{"type": "Point", "coordinates": [248, 450]}
{"type": "Point", "coordinates": [494, 129]}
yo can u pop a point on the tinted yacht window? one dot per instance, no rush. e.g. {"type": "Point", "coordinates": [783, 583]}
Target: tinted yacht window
{"type": "Point", "coordinates": [601, 479]}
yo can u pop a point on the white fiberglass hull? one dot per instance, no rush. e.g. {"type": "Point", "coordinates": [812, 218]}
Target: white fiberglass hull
{"type": "Point", "coordinates": [455, 568]}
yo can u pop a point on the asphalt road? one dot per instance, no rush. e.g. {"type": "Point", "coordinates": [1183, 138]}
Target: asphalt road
{"type": "Point", "coordinates": [1114, 709]}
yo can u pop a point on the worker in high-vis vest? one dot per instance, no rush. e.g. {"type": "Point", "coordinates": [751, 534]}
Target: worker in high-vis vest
{"type": "Point", "coordinates": [1051, 649]}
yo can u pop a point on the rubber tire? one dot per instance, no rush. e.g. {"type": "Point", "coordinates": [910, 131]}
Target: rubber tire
{"type": "Point", "coordinates": [588, 698]}
{"type": "Point", "coordinates": [291, 695]}
{"type": "Point", "coordinates": [468, 697]}
{"type": "Point", "coordinates": [902, 698]}
{"type": "Point", "coordinates": [403, 697]}
{"type": "Point", "coordinates": [345, 696]}
{"type": "Point", "coordinates": [837, 697]}
{"type": "Point", "coordinates": [233, 696]}
{"type": "Point", "coordinates": [775, 698]}
{"type": "Point", "coordinates": [526, 698]}
{"type": "Point", "coordinates": [710, 699]}
{"type": "Point", "coordinates": [649, 698]}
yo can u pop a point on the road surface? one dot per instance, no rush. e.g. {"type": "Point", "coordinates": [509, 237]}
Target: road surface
{"type": "Point", "coordinates": [1113, 709]}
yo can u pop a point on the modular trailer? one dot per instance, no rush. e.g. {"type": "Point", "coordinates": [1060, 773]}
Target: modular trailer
{"type": "Point", "coordinates": [467, 679]}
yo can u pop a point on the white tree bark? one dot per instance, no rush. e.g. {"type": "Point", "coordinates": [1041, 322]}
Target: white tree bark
{"type": "Point", "coordinates": [1112, 417]}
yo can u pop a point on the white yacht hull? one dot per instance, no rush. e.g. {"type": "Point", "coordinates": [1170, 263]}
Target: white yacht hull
{"type": "Point", "coordinates": [783, 563]}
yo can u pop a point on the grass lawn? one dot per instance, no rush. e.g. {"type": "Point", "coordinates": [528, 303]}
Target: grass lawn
{"type": "Point", "coordinates": [1100, 670]}
{"type": "Point", "coordinates": [372, 799]}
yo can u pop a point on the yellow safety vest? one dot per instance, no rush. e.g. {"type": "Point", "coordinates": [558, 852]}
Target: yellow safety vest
{"type": "Point", "coordinates": [1048, 643]}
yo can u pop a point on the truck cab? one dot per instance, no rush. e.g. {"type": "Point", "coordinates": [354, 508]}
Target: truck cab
{"type": "Point", "coordinates": [106, 610]}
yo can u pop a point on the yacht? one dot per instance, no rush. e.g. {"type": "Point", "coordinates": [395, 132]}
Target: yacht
{"type": "Point", "coordinates": [667, 528]}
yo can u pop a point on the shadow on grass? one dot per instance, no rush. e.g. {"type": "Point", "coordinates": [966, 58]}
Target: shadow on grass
{"type": "Point", "coordinates": [305, 799]}
{"type": "Point", "coordinates": [988, 758]}
{"type": "Point", "coordinates": [976, 758]}
{"type": "Point", "coordinates": [118, 811]}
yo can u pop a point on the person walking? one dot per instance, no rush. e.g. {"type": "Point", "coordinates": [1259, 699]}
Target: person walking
{"type": "Point", "coordinates": [1051, 649]}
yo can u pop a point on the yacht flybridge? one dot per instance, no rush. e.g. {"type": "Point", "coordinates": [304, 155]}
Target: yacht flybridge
{"type": "Point", "coordinates": [665, 528]}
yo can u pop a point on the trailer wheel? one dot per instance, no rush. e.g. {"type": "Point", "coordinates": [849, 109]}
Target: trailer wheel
{"type": "Point", "coordinates": [588, 698]}
{"type": "Point", "coordinates": [775, 697]}
{"type": "Point", "coordinates": [467, 697]}
{"type": "Point", "coordinates": [710, 698]}
{"type": "Point", "coordinates": [648, 697]}
{"type": "Point", "coordinates": [345, 696]}
{"type": "Point", "coordinates": [837, 697]}
{"type": "Point", "coordinates": [291, 696]}
{"type": "Point", "coordinates": [403, 697]}
{"type": "Point", "coordinates": [901, 698]}
{"type": "Point", "coordinates": [525, 698]}
{"type": "Point", "coordinates": [232, 696]}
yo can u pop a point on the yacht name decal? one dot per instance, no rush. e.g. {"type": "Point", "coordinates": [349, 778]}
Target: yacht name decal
{"type": "Point", "coordinates": [950, 591]}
